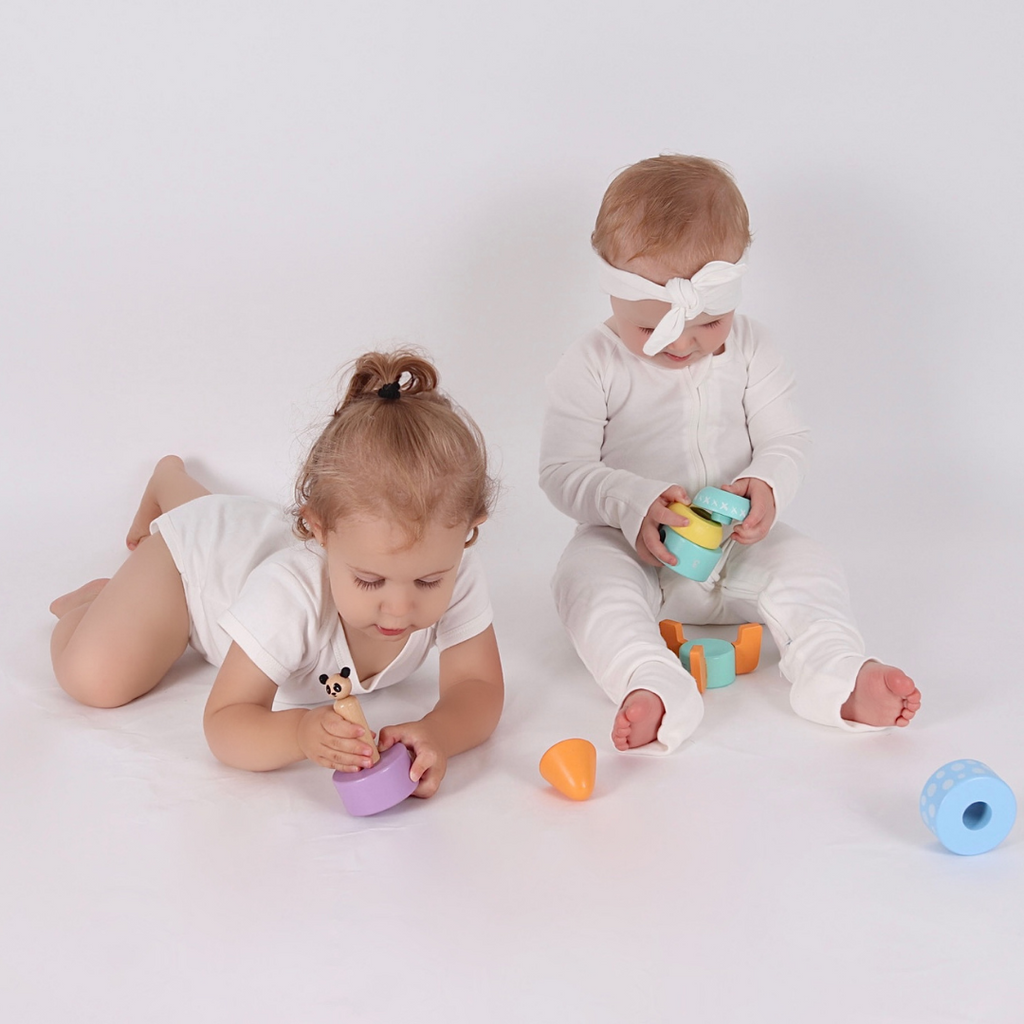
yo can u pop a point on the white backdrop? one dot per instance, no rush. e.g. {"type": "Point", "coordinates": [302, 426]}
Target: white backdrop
{"type": "Point", "coordinates": [207, 208]}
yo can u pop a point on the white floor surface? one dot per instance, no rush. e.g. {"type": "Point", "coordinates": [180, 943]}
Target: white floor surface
{"type": "Point", "coordinates": [773, 870]}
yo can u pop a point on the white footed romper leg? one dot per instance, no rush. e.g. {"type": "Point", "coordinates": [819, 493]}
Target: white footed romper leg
{"type": "Point", "coordinates": [610, 603]}
{"type": "Point", "coordinates": [800, 593]}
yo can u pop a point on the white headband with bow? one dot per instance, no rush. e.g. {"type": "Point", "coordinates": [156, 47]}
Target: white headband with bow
{"type": "Point", "coordinates": [714, 289]}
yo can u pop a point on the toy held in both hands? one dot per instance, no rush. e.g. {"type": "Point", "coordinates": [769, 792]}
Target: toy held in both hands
{"type": "Point", "coordinates": [387, 781]}
{"type": "Point", "coordinates": [698, 545]}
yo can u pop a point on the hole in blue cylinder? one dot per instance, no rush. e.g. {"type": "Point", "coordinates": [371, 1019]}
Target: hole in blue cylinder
{"type": "Point", "coordinates": [978, 815]}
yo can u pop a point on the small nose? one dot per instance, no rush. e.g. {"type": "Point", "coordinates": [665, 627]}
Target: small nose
{"type": "Point", "coordinates": [397, 602]}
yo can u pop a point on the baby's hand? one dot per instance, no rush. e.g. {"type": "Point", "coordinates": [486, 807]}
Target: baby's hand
{"type": "Point", "coordinates": [762, 509]}
{"type": "Point", "coordinates": [429, 760]}
{"type": "Point", "coordinates": [331, 741]}
{"type": "Point", "coordinates": [649, 547]}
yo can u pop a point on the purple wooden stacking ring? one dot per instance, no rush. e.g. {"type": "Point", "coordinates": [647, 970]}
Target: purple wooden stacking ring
{"type": "Point", "coordinates": [376, 789]}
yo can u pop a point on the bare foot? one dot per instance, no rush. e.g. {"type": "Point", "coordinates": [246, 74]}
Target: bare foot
{"type": "Point", "coordinates": [149, 507]}
{"type": "Point", "coordinates": [638, 720]}
{"type": "Point", "coordinates": [83, 595]}
{"type": "Point", "coordinates": [882, 695]}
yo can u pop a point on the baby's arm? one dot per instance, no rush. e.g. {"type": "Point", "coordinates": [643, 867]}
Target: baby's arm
{"type": "Point", "coordinates": [472, 692]}
{"type": "Point", "coordinates": [572, 474]}
{"type": "Point", "coordinates": [778, 435]}
{"type": "Point", "coordinates": [244, 732]}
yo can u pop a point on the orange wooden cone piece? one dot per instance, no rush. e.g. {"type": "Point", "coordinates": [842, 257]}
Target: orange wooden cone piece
{"type": "Point", "coordinates": [571, 767]}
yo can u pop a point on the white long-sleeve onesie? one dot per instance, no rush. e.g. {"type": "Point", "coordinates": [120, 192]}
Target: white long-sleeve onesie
{"type": "Point", "coordinates": [618, 431]}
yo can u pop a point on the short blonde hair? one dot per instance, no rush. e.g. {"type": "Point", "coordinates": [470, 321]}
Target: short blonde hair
{"type": "Point", "coordinates": [396, 446]}
{"type": "Point", "coordinates": [686, 207]}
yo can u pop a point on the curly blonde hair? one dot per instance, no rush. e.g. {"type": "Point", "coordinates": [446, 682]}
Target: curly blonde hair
{"type": "Point", "coordinates": [687, 208]}
{"type": "Point", "coordinates": [396, 446]}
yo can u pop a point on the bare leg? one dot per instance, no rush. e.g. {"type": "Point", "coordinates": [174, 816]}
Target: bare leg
{"type": "Point", "coordinates": [168, 487]}
{"type": "Point", "coordinates": [882, 695]}
{"type": "Point", "coordinates": [116, 639]}
{"type": "Point", "coordinates": [119, 643]}
{"type": "Point", "coordinates": [638, 720]}
{"type": "Point", "coordinates": [83, 595]}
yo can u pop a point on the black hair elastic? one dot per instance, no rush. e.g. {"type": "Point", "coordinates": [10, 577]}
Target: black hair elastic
{"type": "Point", "coordinates": [390, 392]}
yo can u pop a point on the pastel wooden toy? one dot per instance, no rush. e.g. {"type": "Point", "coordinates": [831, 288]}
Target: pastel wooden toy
{"type": "Point", "coordinates": [968, 807]}
{"type": "Point", "coordinates": [340, 688]}
{"type": "Point", "coordinates": [571, 767]}
{"type": "Point", "coordinates": [718, 659]}
{"type": "Point", "coordinates": [697, 546]}
{"type": "Point", "coordinates": [672, 633]}
{"type": "Point", "coordinates": [712, 662]}
{"type": "Point", "coordinates": [386, 782]}
{"type": "Point", "coordinates": [702, 529]}
{"type": "Point", "coordinates": [698, 668]}
{"type": "Point", "coordinates": [722, 506]}
{"type": "Point", "coordinates": [375, 789]}
{"type": "Point", "coordinates": [747, 647]}
{"type": "Point", "coordinates": [692, 561]}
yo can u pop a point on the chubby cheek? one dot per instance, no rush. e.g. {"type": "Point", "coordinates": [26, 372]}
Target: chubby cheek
{"type": "Point", "coordinates": [719, 335]}
{"type": "Point", "coordinates": [633, 339]}
{"type": "Point", "coordinates": [432, 604]}
{"type": "Point", "coordinates": [350, 602]}
{"type": "Point", "coordinates": [431, 607]}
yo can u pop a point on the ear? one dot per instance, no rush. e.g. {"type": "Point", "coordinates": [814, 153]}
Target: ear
{"type": "Point", "coordinates": [474, 531]}
{"type": "Point", "coordinates": [314, 526]}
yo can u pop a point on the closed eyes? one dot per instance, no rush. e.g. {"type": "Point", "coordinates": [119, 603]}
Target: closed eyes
{"type": "Point", "coordinates": [376, 584]}
{"type": "Point", "coordinates": [711, 323]}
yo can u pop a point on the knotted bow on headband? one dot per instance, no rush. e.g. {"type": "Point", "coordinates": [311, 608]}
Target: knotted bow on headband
{"type": "Point", "coordinates": [714, 289]}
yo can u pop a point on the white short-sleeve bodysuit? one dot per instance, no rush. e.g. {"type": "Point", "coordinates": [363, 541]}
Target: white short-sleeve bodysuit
{"type": "Point", "coordinates": [249, 580]}
{"type": "Point", "coordinates": [619, 430]}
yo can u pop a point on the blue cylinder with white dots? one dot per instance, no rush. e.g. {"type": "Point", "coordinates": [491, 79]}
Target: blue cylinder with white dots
{"type": "Point", "coordinates": [968, 807]}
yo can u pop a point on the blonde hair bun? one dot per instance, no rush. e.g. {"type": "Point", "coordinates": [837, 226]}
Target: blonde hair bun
{"type": "Point", "coordinates": [397, 447]}
{"type": "Point", "coordinates": [375, 371]}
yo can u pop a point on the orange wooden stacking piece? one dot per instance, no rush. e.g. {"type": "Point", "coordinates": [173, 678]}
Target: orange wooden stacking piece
{"type": "Point", "coordinates": [672, 634]}
{"type": "Point", "coordinates": [748, 647]}
{"type": "Point", "coordinates": [571, 767]}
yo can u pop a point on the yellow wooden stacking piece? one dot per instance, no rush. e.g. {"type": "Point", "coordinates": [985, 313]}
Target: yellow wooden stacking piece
{"type": "Point", "coordinates": [702, 531]}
